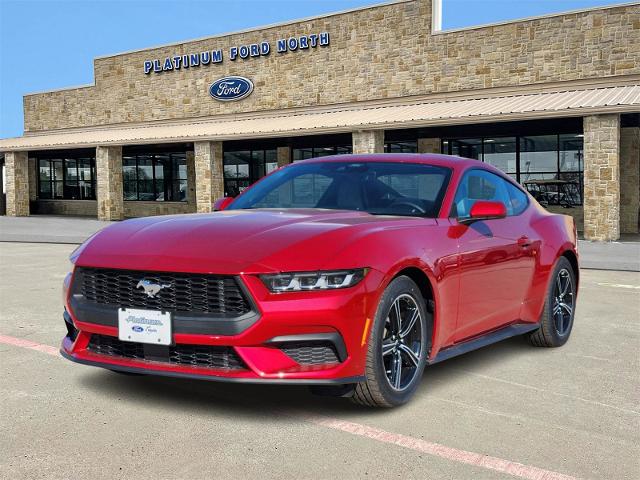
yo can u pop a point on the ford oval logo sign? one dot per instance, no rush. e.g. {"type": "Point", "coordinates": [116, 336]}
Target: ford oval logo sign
{"type": "Point", "coordinates": [228, 89]}
{"type": "Point", "coordinates": [137, 329]}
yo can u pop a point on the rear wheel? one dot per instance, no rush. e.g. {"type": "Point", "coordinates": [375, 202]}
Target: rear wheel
{"type": "Point", "coordinates": [398, 349]}
{"type": "Point", "coordinates": [556, 321]}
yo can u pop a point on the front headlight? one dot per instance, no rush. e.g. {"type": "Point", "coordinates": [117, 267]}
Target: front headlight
{"type": "Point", "coordinates": [306, 281]}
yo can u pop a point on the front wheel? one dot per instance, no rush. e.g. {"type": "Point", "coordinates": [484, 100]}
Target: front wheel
{"type": "Point", "coordinates": [557, 316]}
{"type": "Point", "coordinates": [398, 347]}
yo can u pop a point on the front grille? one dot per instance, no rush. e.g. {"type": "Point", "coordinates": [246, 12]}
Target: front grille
{"type": "Point", "coordinates": [317, 353]}
{"type": "Point", "coordinates": [219, 358]}
{"type": "Point", "coordinates": [185, 292]}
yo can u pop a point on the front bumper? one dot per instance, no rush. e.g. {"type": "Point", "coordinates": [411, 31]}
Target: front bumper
{"type": "Point", "coordinates": [340, 318]}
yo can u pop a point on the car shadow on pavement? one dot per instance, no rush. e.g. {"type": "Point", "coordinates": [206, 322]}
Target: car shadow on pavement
{"type": "Point", "coordinates": [262, 402]}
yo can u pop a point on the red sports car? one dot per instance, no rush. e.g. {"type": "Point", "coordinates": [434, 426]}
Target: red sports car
{"type": "Point", "coordinates": [348, 273]}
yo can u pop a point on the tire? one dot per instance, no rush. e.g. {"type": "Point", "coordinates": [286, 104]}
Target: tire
{"type": "Point", "coordinates": [377, 390]}
{"type": "Point", "coordinates": [555, 326]}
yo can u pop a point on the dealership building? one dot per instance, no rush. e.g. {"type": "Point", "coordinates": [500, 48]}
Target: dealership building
{"type": "Point", "coordinates": [554, 101]}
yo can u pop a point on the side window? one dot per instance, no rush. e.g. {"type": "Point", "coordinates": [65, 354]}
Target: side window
{"type": "Point", "coordinates": [480, 185]}
{"type": "Point", "coordinates": [518, 198]}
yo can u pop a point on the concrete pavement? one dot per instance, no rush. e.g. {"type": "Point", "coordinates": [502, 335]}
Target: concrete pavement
{"type": "Point", "coordinates": [571, 411]}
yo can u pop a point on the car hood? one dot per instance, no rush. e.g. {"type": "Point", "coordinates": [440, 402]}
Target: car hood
{"type": "Point", "coordinates": [233, 241]}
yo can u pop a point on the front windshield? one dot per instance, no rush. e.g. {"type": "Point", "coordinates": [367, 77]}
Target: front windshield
{"type": "Point", "coordinates": [383, 188]}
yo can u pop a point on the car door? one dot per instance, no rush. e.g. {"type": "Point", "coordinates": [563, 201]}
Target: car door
{"type": "Point", "coordinates": [495, 266]}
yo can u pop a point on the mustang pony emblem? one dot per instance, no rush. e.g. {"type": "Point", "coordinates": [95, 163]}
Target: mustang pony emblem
{"type": "Point", "coordinates": [150, 288]}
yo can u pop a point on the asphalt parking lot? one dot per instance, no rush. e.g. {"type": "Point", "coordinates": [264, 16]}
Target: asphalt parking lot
{"type": "Point", "coordinates": [506, 411]}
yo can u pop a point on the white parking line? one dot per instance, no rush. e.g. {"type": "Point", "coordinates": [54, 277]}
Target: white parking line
{"type": "Point", "coordinates": [435, 449]}
{"type": "Point", "coordinates": [461, 456]}
{"type": "Point", "coordinates": [618, 285]}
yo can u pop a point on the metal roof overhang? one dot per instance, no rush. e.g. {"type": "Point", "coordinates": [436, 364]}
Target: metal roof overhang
{"type": "Point", "coordinates": [424, 113]}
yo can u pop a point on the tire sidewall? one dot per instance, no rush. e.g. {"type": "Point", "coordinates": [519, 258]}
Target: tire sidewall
{"type": "Point", "coordinates": [558, 339]}
{"type": "Point", "coordinates": [400, 285]}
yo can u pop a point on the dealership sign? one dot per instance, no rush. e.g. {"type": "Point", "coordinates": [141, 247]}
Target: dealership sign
{"type": "Point", "coordinates": [244, 52]}
{"type": "Point", "coordinates": [228, 89]}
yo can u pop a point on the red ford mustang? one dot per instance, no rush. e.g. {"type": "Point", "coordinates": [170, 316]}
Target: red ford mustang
{"type": "Point", "coordinates": [347, 273]}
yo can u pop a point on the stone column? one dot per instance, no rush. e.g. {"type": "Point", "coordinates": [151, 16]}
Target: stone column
{"type": "Point", "coordinates": [33, 179]}
{"type": "Point", "coordinates": [368, 141]}
{"type": "Point", "coordinates": [429, 145]}
{"type": "Point", "coordinates": [629, 179]}
{"type": "Point", "coordinates": [209, 175]}
{"type": "Point", "coordinates": [602, 177]}
{"type": "Point", "coordinates": [284, 156]}
{"type": "Point", "coordinates": [109, 183]}
{"type": "Point", "coordinates": [191, 180]}
{"type": "Point", "coordinates": [17, 171]}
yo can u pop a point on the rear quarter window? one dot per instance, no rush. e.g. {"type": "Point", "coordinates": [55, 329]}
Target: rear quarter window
{"type": "Point", "coordinates": [518, 199]}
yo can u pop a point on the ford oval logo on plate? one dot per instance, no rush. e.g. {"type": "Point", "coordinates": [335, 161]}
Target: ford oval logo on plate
{"type": "Point", "coordinates": [137, 329]}
{"type": "Point", "coordinates": [228, 89]}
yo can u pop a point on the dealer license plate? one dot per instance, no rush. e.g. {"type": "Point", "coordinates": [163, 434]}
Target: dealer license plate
{"type": "Point", "coordinates": [145, 326]}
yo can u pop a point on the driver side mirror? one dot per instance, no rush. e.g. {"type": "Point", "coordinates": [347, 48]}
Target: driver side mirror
{"type": "Point", "coordinates": [222, 203]}
{"type": "Point", "coordinates": [485, 210]}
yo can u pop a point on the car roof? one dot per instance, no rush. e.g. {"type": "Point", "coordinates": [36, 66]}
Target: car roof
{"type": "Point", "coordinates": [426, 158]}
{"type": "Point", "coordinates": [450, 161]}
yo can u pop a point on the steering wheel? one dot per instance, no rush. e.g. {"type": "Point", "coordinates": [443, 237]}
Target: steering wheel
{"type": "Point", "coordinates": [408, 203]}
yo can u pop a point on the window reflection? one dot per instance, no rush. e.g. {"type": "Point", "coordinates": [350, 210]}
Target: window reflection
{"type": "Point", "coordinates": [401, 147]}
{"type": "Point", "coordinates": [551, 167]}
{"type": "Point", "coordinates": [244, 167]}
{"type": "Point", "coordinates": [159, 177]}
{"type": "Point", "coordinates": [501, 153]}
{"type": "Point", "coordinates": [68, 176]}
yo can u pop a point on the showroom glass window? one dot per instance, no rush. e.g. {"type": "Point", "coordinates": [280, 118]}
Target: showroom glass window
{"type": "Point", "coordinates": [401, 147]}
{"type": "Point", "coordinates": [66, 176]}
{"type": "Point", "coordinates": [159, 177]}
{"type": "Point", "coordinates": [245, 167]}
{"type": "Point", "coordinates": [316, 152]}
{"type": "Point", "coordinates": [550, 167]}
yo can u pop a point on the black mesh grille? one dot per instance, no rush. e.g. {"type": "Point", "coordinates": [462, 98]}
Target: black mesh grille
{"type": "Point", "coordinates": [105, 345]}
{"type": "Point", "coordinates": [221, 358]}
{"type": "Point", "coordinates": [311, 353]}
{"type": "Point", "coordinates": [184, 292]}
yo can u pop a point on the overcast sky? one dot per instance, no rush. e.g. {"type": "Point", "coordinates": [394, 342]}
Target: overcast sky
{"type": "Point", "coordinates": [51, 44]}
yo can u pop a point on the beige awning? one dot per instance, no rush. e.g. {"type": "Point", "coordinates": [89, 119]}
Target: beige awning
{"type": "Point", "coordinates": [575, 102]}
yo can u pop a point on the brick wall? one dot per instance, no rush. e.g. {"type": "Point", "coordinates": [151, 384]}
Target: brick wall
{"type": "Point", "coordinates": [380, 52]}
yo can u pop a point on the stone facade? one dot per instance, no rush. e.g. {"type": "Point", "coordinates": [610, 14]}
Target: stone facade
{"type": "Point", "coordinates": [283, 155]}
{"type": "Point", "coordinates": [17, 183]}
{"type": "Point", "coordinates": [429, 145]}
{"type": "Point", "coordinates": [82, 208]}
{"type": "Point", "coordinates": [368, 141]}
{"type": "Point", "coordinates": [602, 177]}
{"type": "Point", "coordinates": [629, 179]}
{"type": "Point", "coordinates": [33, 180]}
{"type": "Point", "coordinates": [191, 180]}
{"type": "Point", "coordinates": [381, 52]}
{"type": "Point", "coordinates": [143, 209]}
{"type": "Point", "coordinates": [209, 175]}
{"type": "Point", "coordinates": [109, 191]}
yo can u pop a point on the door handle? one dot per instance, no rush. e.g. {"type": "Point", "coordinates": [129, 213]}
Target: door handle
{"type": "Point", "coordinates": [524, 241]}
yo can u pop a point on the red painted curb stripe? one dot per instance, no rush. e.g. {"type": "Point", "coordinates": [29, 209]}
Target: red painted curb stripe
{"type": "Point", "coordinates": [423, 446]}
{"type": "Point", "coordinates": [20, 342]}
{"type": "Point", "coordinates": [435, 449]}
